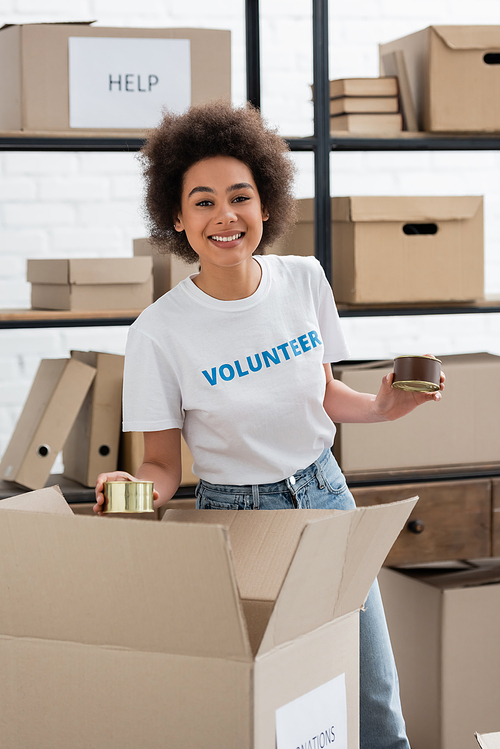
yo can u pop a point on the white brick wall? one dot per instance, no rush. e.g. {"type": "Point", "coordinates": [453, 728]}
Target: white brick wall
{"type": "Point", "coordinates": [88, 204]}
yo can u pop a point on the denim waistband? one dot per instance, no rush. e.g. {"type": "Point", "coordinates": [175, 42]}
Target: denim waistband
{"type": "Point", "coordinates": [292, 483]}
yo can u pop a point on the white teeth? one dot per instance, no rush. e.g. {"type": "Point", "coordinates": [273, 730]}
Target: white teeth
{"type": "Point", "coordinates": [226, 239]}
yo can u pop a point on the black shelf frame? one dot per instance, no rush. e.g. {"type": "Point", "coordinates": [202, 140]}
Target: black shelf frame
{"type": "Point", "coordinates": [320, 144]}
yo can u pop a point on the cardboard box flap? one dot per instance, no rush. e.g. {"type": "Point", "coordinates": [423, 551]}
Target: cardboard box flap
{"type": "Point", "coordinates": [408, 208]}
{"type": "Point", "coordinates": [262, 544]}
{"type": "Point", "coordinates": [50, 499]}
{"type": "Point", "coordinates": [331, 573]}
{"type": "Point", "coordinates": [469, 37]}
{"type": "Point", "coordinates": [488, 740]}
{"type": "Point", "coordinates": [120, 583]}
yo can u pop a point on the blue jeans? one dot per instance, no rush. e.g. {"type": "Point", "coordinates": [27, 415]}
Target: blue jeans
{"type": "Point", "coordinates": [323, 486]}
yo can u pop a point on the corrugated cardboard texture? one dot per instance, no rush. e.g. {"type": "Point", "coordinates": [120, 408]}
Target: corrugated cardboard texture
{"type": "Point", "coordinates": [446, 696]}
{"type": "Point", "coordinates": [92, 445]}
{"type": "Point", "coordinates": [454, 90]}
{"type": "Point", "coordinates": [37, 56]}
{"type": "Point", "coordinates": [462, 430]}
{"type": "Point", "coordinates": [53, 403]}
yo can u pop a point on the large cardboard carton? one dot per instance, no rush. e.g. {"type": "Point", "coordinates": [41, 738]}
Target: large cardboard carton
{"type": "Point", "coordinates": [454, 76]}
{"type": "Point", "coordinates": [168, 270]}
{"type": "Point", "coordinates": [92, 445]}
{"type": "Point", "coordinates": [461, 432]}
{"type": "Point", "coordinates": [444, 631]}
{"type": "Point", "coordinates": [91, 283]}
{"type": "Point", "coordinates": [383, 247]}
{"type": "Point", "coordinates": [203, 653]}
{"type": "Point", "coordinates": [35, 95]}
{"type": "Point", "coordinates": [53, 403]}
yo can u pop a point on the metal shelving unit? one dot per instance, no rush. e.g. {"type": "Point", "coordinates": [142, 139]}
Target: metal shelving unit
{"type": "Point", "coordinates": [321, 144]}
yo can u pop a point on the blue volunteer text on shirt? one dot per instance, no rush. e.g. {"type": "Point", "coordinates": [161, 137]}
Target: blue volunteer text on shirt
{"type": "Point", "coordinates": [255, 362]}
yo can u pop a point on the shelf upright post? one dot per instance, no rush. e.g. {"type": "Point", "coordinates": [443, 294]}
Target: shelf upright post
{"type": "Point", "coordinates": [322, 206]}
{"type": "Point", "coordinates": [252, 51]}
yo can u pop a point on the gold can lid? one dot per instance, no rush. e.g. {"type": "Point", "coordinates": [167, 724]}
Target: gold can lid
{"type": "Point", "coordinates": [416, 386]}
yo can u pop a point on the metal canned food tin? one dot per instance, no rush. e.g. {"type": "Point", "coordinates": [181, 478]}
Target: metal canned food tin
{"type": "Point", "coordinates": [417, 373]}
{"type": "Point", "coordinates": [128, 496]}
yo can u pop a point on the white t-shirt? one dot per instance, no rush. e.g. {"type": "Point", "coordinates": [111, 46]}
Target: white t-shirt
{"type": "Point", "coordinates": [243, 379]}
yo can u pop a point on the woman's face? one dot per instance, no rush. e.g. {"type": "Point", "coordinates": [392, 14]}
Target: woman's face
{"type": "Point", "coordinates": [221, 211]}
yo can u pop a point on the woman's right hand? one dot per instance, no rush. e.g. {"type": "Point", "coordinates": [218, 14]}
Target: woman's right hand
{"type": "Point", "coordinates": [99, 486]}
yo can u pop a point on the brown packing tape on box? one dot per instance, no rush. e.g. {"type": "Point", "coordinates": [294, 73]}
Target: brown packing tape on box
{"type": "Point", "coordinates": [52, 405]}
{"type": "Point", "coordinates": [92, 445]}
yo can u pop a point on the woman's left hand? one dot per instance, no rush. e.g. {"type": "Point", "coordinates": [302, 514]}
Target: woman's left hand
{"type": "Point", "coordinates": [392, 403]}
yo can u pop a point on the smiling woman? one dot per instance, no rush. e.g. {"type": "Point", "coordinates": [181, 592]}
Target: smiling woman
{"type": "Point", "coordinates": [216, 130]}
{"type": "Point", "coordinates": [238, 357]}
{"type": "Point", "coordinates": [222, 215]}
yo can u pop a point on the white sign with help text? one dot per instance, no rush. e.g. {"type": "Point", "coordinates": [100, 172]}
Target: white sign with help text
{"type": "Point", "coordinates": [316, 720]}
{"type": "Point", "coordinates": [125, 83]}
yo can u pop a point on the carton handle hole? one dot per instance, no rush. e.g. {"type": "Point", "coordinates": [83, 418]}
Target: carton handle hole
{"type": "Point", "coordinates": [492, 58]}
{"type": "Point", "coordinates": [413, 229]}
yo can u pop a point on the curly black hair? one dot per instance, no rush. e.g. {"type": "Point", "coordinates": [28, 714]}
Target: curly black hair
{"type": "Point", "coordinates": [204, 131]}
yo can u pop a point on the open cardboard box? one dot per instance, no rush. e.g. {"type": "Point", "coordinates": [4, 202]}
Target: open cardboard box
{"type": "Point", "coordinates": [444, 628]}
{"type": "Point", "coordinates": [179, 633]}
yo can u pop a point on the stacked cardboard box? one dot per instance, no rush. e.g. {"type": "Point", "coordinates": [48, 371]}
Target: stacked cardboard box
{"type": "Point", "coordinates": [91, 283]}
{"type": "Point", "coordinates": [365, 105]}
{"type": "Point", "coordinates": [444, 630]}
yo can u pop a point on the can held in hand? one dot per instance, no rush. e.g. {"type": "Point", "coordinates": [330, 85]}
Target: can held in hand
{"type": "Point", "coordinates": [420, 373]}
{"type": "Point", "coordinates": [128, 496]}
